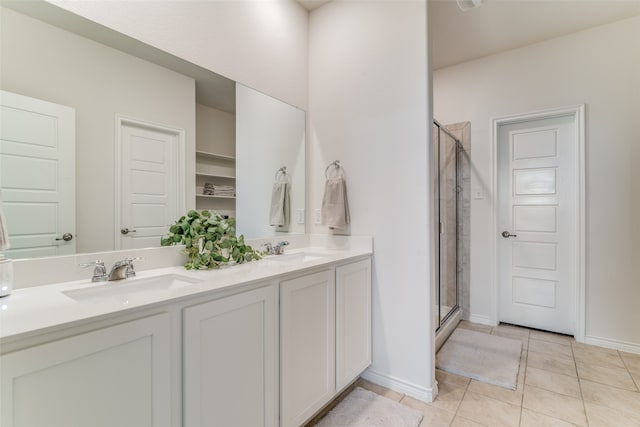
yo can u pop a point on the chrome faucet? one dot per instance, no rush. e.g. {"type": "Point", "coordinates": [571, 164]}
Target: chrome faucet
{"type": "Point", "coordinates": [278, 249]}
{"type": "Point", "coordinates": [99, 270]}
{"type": "Point", "coordinates": [122, 269]}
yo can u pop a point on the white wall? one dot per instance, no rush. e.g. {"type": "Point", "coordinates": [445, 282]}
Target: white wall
{"type": "Point", "coordinates": [601, 68]}
{"type": "Point", "coordinates": [45, 62]}
{"type": "Point", "coordinates": [215, 131]}
{"type": "Point", "coordinates": [369, 108]}
{"type": "Point", "coordinates": [259, 43]}
{"type": "Point", "coordinates": [269, 135]}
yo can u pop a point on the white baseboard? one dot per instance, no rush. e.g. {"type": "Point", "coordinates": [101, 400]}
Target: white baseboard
{"type": "Point", "coordinates": [421, 393]}
{"type": "Point", "coordinates": [611, 343]}
{"type": "Point", "coordinates": [483, 320]}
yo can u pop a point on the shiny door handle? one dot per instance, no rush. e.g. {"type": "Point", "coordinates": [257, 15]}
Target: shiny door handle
{"type": "Point", "coordinates": [126, 231]}
{"type": "Point", "coordinates": [506, 234]}
{"type": "Point", "coordinates": [66, 237]}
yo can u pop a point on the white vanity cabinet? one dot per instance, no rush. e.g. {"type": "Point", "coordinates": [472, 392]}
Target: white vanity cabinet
{"type": "Point", "coordinates": [353, 321]}
{"type": "Point", "coordinates": [307, 346]}
{"type": "Point", "coordinates": [269, 350]}
{"type": "Point", "coordinates": [325, 337]}
{"type": "Point", "coordinates": [115, 376]}
{"type": "Point", "coordinates": [230, 360]}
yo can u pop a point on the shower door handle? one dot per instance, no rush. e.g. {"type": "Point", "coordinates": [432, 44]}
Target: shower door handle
{"type": "Point", "coordinates": [506, 234]}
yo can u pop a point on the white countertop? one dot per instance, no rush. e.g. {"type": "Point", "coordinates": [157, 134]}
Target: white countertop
{"type": "Point", "coordinates": [34, 309]}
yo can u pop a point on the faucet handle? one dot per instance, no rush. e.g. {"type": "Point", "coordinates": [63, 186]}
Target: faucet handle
{"type": "Point", "coordinates": [130, 272]}
{"type": "Point", "coordinates": [99, 270]}
{"type": "Point", "coordinates": [279, 248]}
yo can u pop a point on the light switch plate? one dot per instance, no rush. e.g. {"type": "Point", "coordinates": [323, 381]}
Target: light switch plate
{"type": "Point", "coordinates": [300, 216]}
{"type": "Point", "coordinates": [317, 217]}
{"type": "Point", "coordinates": [478, 194]}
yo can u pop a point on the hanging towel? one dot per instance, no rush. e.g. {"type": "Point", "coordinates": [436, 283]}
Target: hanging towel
{"type": "Point", "coordinates": [335, 206]}
{"type": "Point", "coordinates": [4, 232]}
{"type": "Point", "coordinates": [280, 204]}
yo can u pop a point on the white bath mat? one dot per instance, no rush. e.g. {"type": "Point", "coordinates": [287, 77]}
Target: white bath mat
{"type": "Point", "coordinates": [483, 357]}
{"type": "Point", "coordinates": [363, 408]}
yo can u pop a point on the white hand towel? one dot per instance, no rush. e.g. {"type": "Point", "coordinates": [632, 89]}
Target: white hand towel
{"type": "Point", "coordinates": [335, 206]}
{"type": "Point", "coordinates": [280, 205]}
{"type": "Point", "coordinates": [4, 232]}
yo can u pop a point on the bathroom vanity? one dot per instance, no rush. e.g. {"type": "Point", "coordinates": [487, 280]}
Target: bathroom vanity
{"type": "Point", "coordinates": [266, 343]}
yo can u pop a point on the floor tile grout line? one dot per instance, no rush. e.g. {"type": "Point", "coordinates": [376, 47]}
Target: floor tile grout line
{"type": "Point", "coordinates": [584, 407]}
{"type": "Point", "coordinates": [466, 388]}
{"type": "Point", "coordinates": [524, 379]}
{"type": "Point", "coordinates": [624, 362]}
{"type": "Point", "coordinates": [608, 384]}
{"type": "Point", "coordinates": [455, 414]}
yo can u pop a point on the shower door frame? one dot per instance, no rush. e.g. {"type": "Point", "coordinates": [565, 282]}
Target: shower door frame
{"type": "Point", "coordinates": [456, 308]}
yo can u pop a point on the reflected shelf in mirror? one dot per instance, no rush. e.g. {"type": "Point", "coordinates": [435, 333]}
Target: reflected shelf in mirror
{"type": "Point", "coordinates": [215, 175]}
{"type": "Point", "coordinates": [211, 196]}
{"type": "Point", "coordinates": [215, 156]}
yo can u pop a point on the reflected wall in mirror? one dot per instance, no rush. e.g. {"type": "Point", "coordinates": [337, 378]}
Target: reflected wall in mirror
{"type": "Point", "coordinates": [137, 124]}
{"type": "Point", "coordinates": [271, 145]}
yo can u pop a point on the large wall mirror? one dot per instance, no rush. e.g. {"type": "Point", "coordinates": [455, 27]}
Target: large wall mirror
{"type": "Point", "coordinates": [105, 141]}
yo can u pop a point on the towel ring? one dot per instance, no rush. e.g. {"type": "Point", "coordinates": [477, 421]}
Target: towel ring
{"type": "Point", "coordinates": [282, 172]}
{"type": "Point", "coordinates": [335, 164]}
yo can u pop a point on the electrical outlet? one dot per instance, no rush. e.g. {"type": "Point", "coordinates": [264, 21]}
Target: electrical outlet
{"type": "Point", "coordinates": [300, 216]}
{"type": "Point", "coordinates": [317, 216]}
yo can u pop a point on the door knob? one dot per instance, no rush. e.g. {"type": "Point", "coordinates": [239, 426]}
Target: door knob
{"type": "Point", "coordinates": [506, 234]}
{"type": "Point", "coordinates": [126, 231]}
{"type": "Point", "coordinates": [66, 237]}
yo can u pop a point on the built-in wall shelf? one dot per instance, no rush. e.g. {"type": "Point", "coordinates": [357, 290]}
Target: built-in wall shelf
{"type": "Point", "coordinates": [215, 135]}
{"type": "Point", "coordinates": [213, 175]}
{"type": "Point", "coordinates": [215, 156]}
{"type": "Point", "coordinates": [211, 196]}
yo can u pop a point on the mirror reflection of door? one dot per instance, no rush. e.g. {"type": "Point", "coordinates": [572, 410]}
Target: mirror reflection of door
{"type": "Point", "coordinates": [151, 193]}
{"type": "Point", "coordinates": [37, 176]}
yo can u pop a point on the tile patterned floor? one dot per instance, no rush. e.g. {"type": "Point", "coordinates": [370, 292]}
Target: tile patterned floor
{"type": "Point", "coordinates": [560, 383]}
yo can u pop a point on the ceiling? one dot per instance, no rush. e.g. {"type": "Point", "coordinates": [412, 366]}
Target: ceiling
{"type": "Point", "coordinates": [500, 25]}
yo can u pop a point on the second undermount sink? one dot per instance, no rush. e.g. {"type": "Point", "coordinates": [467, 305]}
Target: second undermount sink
{"type": "Point", "coordinates": [124, 291]}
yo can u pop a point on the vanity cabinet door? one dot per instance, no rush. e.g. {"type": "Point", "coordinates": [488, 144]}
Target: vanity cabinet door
{"type": "Point", "coordinates": [353, 321]}
{"type": "Point", "coordinates": [116, 376]}
{"type": "Point", "coordinates": [230, 361]}
{"type": "Point", "coordinates": [307, 346]}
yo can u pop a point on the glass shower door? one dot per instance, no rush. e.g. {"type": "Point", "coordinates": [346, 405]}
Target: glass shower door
{"type": "Point", "coordinates": [447, 207]}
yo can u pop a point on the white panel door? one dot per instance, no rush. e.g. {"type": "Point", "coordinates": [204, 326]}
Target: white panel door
{"type": "Point", "coordinates": [149, 188]}
{"type": "Point", "coordinates": [230, 361]}
{"type": "Point", "coordinates": [353, 321]}
{"type": "Point", "coordinates": [537, 249]}
{"type": "Point", "coordinates": [37, 175]}
{"type": "Point", "coordinates": [307, 346]}
{"type": "Point", "coordinates": [117, 376]}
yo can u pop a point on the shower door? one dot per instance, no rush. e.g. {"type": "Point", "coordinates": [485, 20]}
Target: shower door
{"type": "Point", "coordinates": [447, 191]}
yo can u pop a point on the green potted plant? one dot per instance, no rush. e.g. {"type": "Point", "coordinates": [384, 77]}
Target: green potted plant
{"type": "Point", "coordinates": [210, 241]}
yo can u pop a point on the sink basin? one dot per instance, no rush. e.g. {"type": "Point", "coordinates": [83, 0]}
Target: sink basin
{"type": "Point", "coordinates": [296, 257]}
{"type": "Point", "coordinates": [127, 290]}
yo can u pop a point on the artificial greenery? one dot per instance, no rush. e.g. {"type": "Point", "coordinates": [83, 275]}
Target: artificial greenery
{"type": "Point", "coordinates": [210, 241]}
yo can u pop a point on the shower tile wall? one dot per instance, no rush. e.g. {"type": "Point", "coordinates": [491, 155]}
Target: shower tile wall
{"type": "Point", "coordinates": [462, 131]}
{"type": "Point", "coordinates": [448, 217]}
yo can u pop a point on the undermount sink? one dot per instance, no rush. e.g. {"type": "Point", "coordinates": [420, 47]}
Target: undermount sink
{"type": "Point", "coordinates": [125, 290]}
{"type": "Point", "coordinates": [297, 257]}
